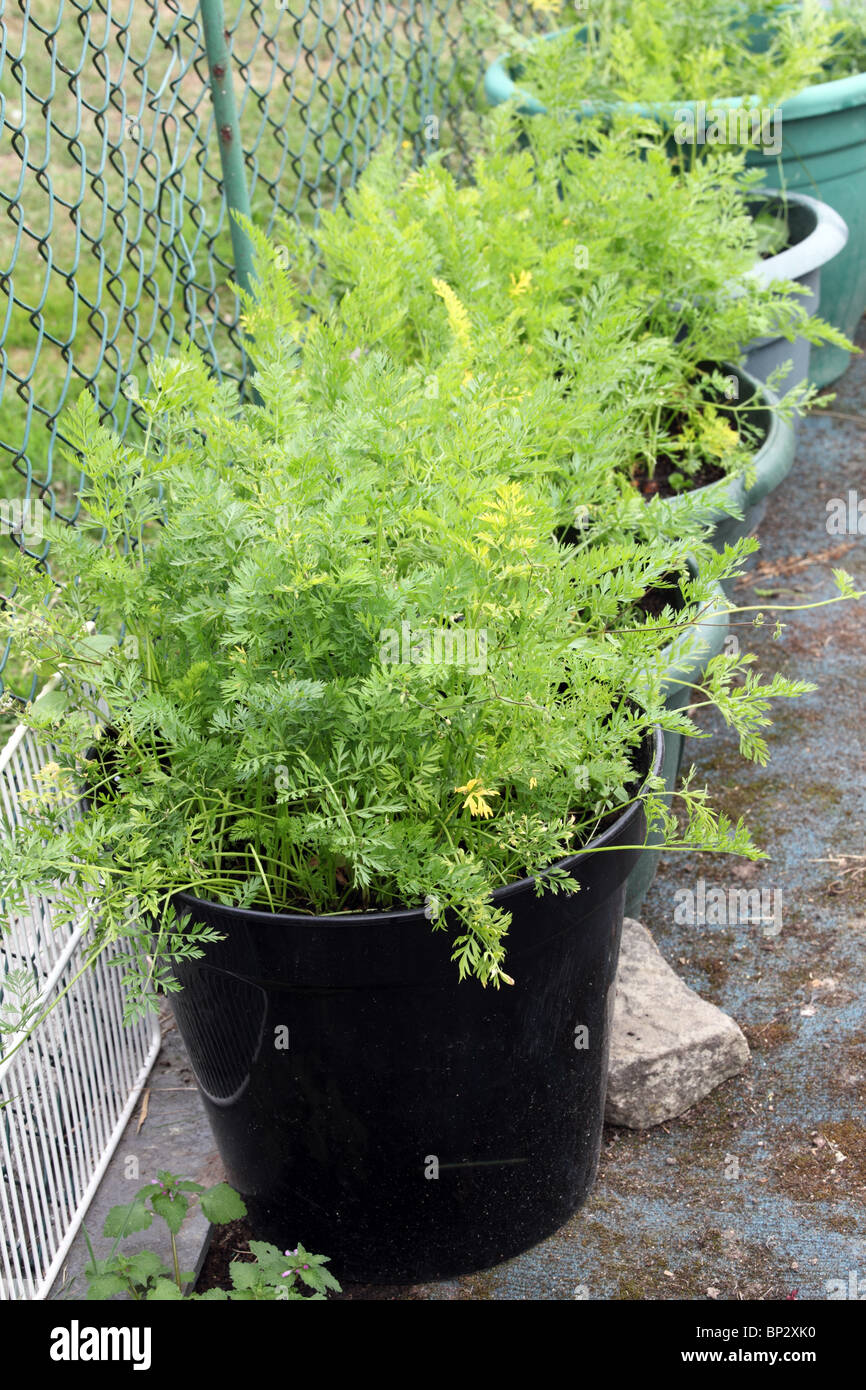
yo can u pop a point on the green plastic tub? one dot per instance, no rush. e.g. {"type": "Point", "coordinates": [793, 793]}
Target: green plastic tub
{"type": "Point", "coordinates": [823, 154]}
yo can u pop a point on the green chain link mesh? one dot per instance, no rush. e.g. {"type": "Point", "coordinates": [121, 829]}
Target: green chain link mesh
{"type": "Point", "coordinates": [114, 234]}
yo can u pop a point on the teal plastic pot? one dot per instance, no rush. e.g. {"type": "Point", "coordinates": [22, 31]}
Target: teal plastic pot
{"type": "Point", "coordinates": [690, 655]}
{"type": "Point", "coordinates": [749, 498]}
{"type": "Point", "coordinates": [823, 154]}
{"type": "Point", "coordinates": [501, 83]}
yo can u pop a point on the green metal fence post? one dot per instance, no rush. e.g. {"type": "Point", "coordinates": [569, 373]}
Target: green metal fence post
{"type": "Point", "coordinates": [229, 135]}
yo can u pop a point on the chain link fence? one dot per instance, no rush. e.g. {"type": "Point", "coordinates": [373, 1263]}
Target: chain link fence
{"type": "Point", "coordinates": [115, 241]}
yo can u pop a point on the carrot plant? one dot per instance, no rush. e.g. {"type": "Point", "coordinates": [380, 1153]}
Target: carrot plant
{"type": "Point", "coordinates": [573, 253]}
{"type": "Point", "coordinates": [345, 660]}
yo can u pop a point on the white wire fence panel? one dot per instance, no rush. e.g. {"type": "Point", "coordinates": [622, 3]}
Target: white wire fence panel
{"type": "Point", "coordinates": [67, 1093]}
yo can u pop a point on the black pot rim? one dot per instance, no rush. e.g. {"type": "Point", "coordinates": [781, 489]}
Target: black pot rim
{"type": "Point", "coordinates": [373, 918]}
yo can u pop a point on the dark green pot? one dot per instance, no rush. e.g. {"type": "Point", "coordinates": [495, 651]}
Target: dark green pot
{"type": "Point", "coordinates": [824, 155]}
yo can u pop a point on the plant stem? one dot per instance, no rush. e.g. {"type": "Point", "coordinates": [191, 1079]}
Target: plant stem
{"type": "Point", "coordinates": [175, 1262]}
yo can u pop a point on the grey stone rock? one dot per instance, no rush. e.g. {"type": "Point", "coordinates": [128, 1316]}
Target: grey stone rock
{"type": "Point", "coordinates": [669, 1047]}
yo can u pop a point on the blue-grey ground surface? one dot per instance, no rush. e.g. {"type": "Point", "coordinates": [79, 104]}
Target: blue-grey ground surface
{"type": "Point", "coordinates": [759, 1192]}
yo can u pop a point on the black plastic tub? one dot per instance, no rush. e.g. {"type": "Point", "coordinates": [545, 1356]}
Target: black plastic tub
{"type": "Point", "coordinates": [373, 1107]}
